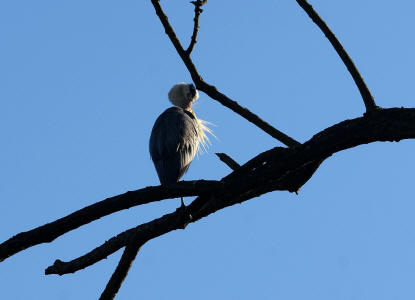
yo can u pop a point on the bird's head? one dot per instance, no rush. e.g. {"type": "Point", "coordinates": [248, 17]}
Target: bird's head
{"type": "Point", "coordinates": [183, 94]}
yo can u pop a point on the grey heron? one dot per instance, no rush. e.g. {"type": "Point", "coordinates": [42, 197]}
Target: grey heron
{"type": "Point", "coordinates": [177, 135]}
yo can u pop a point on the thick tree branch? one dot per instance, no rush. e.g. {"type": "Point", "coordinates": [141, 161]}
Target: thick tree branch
{"type": "Point", "coordinates": [212, 91]}
{"type": "Point", "coordinates": [358, 79]}
{"type": "Point", "coordinates": [275, 169]}
{"type": "Point", "coordinates": [48, 232]}
{"type": "Point", "coordinates": [228, 161]}
{"type": "Point", "coordinates": [117, 278]}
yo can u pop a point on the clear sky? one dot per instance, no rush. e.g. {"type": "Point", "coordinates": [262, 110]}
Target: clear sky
{"type": "Point", "coordinates": [81, 84]}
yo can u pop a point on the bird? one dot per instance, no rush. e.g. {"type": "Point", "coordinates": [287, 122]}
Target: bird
{"type": "Point", "coordinates": [177, 135]}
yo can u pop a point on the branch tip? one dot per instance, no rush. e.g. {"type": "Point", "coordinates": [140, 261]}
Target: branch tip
{"type": "Point", "coordinates": [198, 10]}
{"type": "Point", "coordinates": [229, 161]}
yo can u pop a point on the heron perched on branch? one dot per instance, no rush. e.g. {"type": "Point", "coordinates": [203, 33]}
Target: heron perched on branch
{"type": "Point", "coordinates": [177, 135]}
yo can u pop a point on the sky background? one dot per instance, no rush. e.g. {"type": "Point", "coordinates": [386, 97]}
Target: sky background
{"type": "Point", "coordinates": [81, 84]}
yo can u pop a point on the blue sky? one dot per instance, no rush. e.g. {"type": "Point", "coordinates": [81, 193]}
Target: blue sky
{"type": "Point", "coordinates": [81, 84]}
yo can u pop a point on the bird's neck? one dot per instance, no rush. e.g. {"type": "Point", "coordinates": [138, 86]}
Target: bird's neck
{"type": "Point", "coordinates": [190, 109]}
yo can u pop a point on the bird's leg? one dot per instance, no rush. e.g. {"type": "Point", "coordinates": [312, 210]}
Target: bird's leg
{"type": "Point", "coordinates": [183, 205]}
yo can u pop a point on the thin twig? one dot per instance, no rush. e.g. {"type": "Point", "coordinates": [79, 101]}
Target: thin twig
{"type": "Point", "coordinates": [212, 91]}
{"type": "Point", "coordinates": [198, 10]}
{"type": "Point", "coordinates": [117, 278]}
{"type": "Point", "coordinates": [229, 161]}
{"type": "Point", "coordinates": [358, 79]}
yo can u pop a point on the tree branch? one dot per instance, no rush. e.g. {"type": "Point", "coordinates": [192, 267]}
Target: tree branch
{"type": "Point", "coordinates": [48, 232]}
{"type": "Point", "coordinates": [212, 91]}
{"type": "Point", "coordinates": [140, 234]}
{"type": "Point", "coordinates": [275, 169]}
{"type": "Point", "coordinates": [228, 161]}
{"type": "Point", "coordinates": [198, 10]}
{"type": "Point", "coordinates": [358, 79]}
{"type": "Point", "coordinates": [117, 278]}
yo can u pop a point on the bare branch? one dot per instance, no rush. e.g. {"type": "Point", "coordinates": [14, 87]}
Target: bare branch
{"type": "Point", "coordinates": [117, 278]}
{"type": "Point", "coordinates": [109, 247]}
{"type": "Point", "coordinates": [198, 10]}
{"type": "Point", "coordinates": [48, 232]}
{"type": "Point", "coordinates": [228, 161]}
{"type": "Point", "coordinates": [212, 91]}
{"type": "Point", "coordinates": [140, 234]}
{"type": "Point", "coordinates": [275, 169]}
{"type": "Point", "coordinates": [358, 79]}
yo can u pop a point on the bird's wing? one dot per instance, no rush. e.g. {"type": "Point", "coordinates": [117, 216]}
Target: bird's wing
{"type": "Point", "coordinates": [173, 143]}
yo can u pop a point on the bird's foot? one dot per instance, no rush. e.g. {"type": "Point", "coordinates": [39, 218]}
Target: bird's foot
{"type": "Point", "coordinates": [184, 209]}
{"type": "Point", "coordinates": [183, 206]}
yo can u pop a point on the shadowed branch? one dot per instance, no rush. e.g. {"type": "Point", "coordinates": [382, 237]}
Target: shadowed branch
{"type": "Point", "coordinates": [48, 232]}
{"type": "Point", "coordinates": [275, 169]}
{"type": "Point", "coordinates": [140, 234]}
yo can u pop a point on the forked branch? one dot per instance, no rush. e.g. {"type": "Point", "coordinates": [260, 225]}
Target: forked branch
{"type": "Point", "coordinates": [211, 90]}
{"type": "Point", "coordinates": [48, 232]}
{"type": "Point", "coordinates": [275, 169]}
